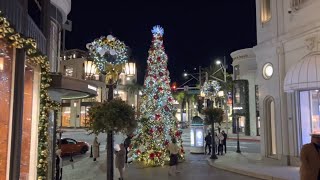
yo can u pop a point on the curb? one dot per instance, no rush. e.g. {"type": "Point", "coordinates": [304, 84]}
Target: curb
{"type": "Point", "coordinates": [243, 172]}
{"type": "Point", "coordinates": [251, 140]}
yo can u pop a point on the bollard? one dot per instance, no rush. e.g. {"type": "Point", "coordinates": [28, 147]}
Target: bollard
{"type": "Point", "coordinates": [91, 155]}
{"type": "Point", "coordinates": [71, 158]}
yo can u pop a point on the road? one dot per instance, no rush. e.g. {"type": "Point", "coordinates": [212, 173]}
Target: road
{"type": "Point", "coordinates": [194, 168]}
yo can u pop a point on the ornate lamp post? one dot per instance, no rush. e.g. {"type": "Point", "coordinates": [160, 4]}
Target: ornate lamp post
{"type": "Point", "coordinates": [109, 54]}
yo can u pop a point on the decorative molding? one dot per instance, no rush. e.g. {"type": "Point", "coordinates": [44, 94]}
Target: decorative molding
{"type": "Point", "coordinates": [311, 43]}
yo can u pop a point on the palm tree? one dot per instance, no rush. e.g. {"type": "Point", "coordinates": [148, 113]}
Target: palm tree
{"type": "Point", "coordinates": [213, 115]}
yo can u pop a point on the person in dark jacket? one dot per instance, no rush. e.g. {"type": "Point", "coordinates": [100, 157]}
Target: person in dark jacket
{"type": "Point", "coordinates": [224, 142]}
{"type": "Point", "coordinates": [127, 143]}
{"type": "Point", "coordinates": [208, 140]}
{"type": "Point", "coordinates": [310, 159]}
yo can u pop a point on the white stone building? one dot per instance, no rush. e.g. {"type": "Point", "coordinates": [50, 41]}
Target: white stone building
{"type": "Point", "coordinates": [287, 60]}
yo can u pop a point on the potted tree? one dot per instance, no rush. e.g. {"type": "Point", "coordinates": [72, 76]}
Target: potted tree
{"type": "Point", "coordinates": [213, 115]}
{"type": "Point", "coordinates": [112, 116]}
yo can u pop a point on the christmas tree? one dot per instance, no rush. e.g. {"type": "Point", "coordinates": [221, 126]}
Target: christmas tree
{"type": "Point", "coordinates": [157, 125]}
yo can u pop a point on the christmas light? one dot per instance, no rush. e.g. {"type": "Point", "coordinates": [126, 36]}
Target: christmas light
{"type": "Point", "coordinates": [36, 58]}
{"type": "Point", "coordinates": [157, 125]}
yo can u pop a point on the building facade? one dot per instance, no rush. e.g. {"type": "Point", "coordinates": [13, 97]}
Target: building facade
{"type": "Point", "coordinates": [23, 84]}
{"type": "Point", "coordinates": [75, 64]}
{"type": "Point", "coordinates": [287, 60]}
{"type": "Point", "coordinates": [245, 67]}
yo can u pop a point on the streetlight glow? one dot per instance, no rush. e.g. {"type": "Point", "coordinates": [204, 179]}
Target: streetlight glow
{"type": "Point", "coordinates": [218, 62]}
{"type": "Point", "coordinates": [185, 74]}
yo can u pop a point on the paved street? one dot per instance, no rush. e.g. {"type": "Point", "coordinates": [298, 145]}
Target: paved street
{"type": "Point", "coordinates": [194, 168]}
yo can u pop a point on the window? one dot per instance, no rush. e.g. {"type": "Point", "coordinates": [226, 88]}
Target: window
{"type": "Point", "coordinates": [68, 71]}
{"type": "Point", "coordinates": [309, 114]}
{"type": "Point", "coordinates": [54, 47]}
{"type": "Point", "coordinates": [6, 87]}
{"type": "Point", "coordinates": [84, 116]}
{"type": "Point", "coordinates": [236, 72]}
{"type": "Point", "coordinates": [265, 11]}
{"type": "Point", "coordinates": [296, 4]}
{"type": "Point", "coordinates": [71, 141]}
{"type": "Point", "coordinates": [66, 116]}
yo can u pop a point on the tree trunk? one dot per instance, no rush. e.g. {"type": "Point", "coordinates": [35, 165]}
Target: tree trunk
{"type": "Point", "coordinates": [213, 140]}
{"type": "Point", "coordinates": [110, 155]}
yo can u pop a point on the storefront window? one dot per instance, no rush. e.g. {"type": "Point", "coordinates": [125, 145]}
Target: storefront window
{"type": "Point", "coordinates": [6, 79]}
{"type": "Point", "coordinates": [84, 116]}
{"type": "Point", "coordinates": [310, 112]}
{"type": "Point", "coordinates": [66, 112]}
{"type": "Point", "coordinates": [27, 122]}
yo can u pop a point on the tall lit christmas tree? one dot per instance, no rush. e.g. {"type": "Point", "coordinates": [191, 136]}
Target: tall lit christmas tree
{"type": "Point", "coordinates": [157, 124]}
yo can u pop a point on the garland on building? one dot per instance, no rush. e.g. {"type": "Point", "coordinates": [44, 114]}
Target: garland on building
{"type": "Point", "coordinates": [8, 33]}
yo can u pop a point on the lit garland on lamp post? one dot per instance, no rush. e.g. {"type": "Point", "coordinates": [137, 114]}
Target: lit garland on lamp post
{"type": "Point", "coordinates": [34, 57]}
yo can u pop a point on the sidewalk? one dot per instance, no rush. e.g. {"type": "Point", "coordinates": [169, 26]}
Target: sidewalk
{"type": "Point", "coordinates": [250, 164]}
{"type": "Point", "coordinates": [243, 137]}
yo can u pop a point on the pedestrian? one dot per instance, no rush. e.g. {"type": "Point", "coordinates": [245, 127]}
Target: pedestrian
{"type": "Point", "coordinates": [120, 160]}
{"type": "Point", "coordinates": [216, 142]}
{"type": "Point", "coordinates": [220, 146]}
{"type": "Point", "coordinates": [310, 159]}
{"type": "Point", "coordinates": [58, 165]}
{"type": "Point", "coordinates": [174, 150]}
{"type": "Point", "coordinates": [127, 143]}
{"type": "Point", "coordinates": [95, 148]}
{"type": "Point", "coordinates": [224, 142]}
{"type": "Point", "coordinates": [208, 140]}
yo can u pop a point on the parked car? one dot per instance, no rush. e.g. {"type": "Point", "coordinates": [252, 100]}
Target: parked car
{"type": "Point", "coordinates": [71, 146]}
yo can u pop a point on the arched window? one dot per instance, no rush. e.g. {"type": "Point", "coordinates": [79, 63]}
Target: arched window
{"type": "Point", "coordinates": [265, 11]}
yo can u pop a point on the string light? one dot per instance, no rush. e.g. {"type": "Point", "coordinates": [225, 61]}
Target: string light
{"type": "Point", "coordinates": [158, 124]}
{"type": "Point", "coordinates": [34, 57]}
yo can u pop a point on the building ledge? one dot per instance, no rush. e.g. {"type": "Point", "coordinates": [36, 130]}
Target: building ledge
{"type": "Point", "coordinates": [64, 87]}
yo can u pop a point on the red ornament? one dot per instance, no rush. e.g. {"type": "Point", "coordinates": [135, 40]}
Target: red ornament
{"type": "Point", "coordinates": [166, 108]}
{"type": "Point", "coordinates": [160, 73]}
{"type": "Point", "coordinates": [159, 58]}
{"type": "Point", "coordinates": [151, 131]}
{"type": "Point", "coordinates": [157, 116]}
{"type": "Point", "coordinates": [166, 142]}
{"type": "Point", "coordinates": [160, 89]}
{"type": "Point", "coordinates": [160, 129]}
{"type": "Point", "coordinates": [178, 133]}
{"type": "Point", "coordinates": [151, 156]}
{"type": "Point", "coordinates": [170, 99]}
{"type": "Point", "coordinates": [138, 151]}
{"type": "Point", "coordinates": [156, 97]}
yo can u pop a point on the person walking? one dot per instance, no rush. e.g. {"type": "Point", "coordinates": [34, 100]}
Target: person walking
{"type": "Point", "coordinates": [127, 143]}
{"type": "Point", "coordinates": [216, 141]}
{"type": "Point", "coordinates": [310, 159]}
{"type": "Point", "coordinates": [174, 150]}
{"type": "Point", "coordinates": [224, 141]}
{"type": "Point", "coordinates": [58, 165]}
{"type": "Point", "coordinates": [95, 146]}
{"type": "Point", "coordinates": [220, 146]}
{"type": "Point", "coordinates": [208, 140]}
{"type": "Point", "coordinates": [120, 160]}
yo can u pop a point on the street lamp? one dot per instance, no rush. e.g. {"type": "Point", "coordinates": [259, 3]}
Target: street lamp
{"type": "Point", "coordinates": [109, 55]}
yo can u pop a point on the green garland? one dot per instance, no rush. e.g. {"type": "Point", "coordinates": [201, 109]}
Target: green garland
{"type": "Point", "coordinates": [34, 57]}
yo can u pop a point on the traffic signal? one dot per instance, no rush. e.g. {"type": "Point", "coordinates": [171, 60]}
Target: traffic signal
{"type": "Point", "coordinates": [174, 86]}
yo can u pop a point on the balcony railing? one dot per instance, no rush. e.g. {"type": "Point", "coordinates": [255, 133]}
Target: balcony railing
{"type": "Point", "coordinates": [14, 13]}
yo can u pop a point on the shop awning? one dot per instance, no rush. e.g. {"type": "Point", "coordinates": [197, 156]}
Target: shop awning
{"type": "Point", "coordinates": [304, 75]}
{"type": "Point", "coordinates": [64, 87]}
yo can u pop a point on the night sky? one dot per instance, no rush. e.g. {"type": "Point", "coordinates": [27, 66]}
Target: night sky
{"type": "Point", "coordinates": [196, 32]}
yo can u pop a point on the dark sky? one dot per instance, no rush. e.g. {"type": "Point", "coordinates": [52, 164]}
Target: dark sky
{"type": "Point", "coordinates": [195, 31]}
